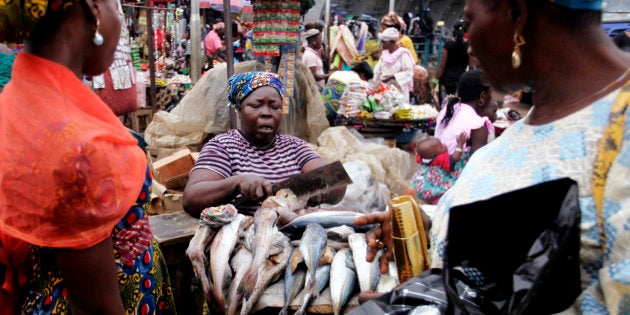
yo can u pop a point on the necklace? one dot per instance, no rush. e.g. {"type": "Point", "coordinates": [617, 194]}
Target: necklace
{"type": "Point", "coordinates": [585, 100]}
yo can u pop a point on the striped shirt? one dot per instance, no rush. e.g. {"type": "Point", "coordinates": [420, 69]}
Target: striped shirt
{"type": "Point", "coordinates": [230, 154]}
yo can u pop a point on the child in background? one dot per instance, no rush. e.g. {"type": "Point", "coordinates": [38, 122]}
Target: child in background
{"type": "Point", "coordinates": [432, 152]}
{"type": "Point", "coordinates": [437, 170]}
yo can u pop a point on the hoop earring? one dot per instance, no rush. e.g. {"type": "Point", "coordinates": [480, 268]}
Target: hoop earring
{"type": "Point", "coordinates": [98, 38]}
{"type": "Point", "coordinates": [516, 53]}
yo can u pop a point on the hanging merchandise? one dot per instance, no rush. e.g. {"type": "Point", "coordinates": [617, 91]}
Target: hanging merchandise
{"type": "Point", "coordinates": [286, 71]}
{"type": "Point", "coordinates": [276, 22]}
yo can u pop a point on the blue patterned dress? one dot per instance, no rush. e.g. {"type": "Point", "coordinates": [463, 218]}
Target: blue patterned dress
{"type": "Point", "coordinates": [526, 155]}
{"type": "Point", "coordinates": [142, 274]}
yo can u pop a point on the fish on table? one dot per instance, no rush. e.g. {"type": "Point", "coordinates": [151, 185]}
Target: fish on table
{"type": "Point", "coordinates": [343, 278]}
{"type": "Point", "coordinates": [311, 248]}
{"type": "Point", "coordinates": [221, 250]}
{"type": "Point", "coordinates": [325, 218]}
{"type": "Point", "coordinates": [294, 277]}
{"type": "Point", "coordinates": [368, 273]}
{"type": "Point", "coordinates": [267, 273]}
{"type": "Point", "coordinates": [196, 252]}
{"type": "Point", "coordinates": [240, 263]}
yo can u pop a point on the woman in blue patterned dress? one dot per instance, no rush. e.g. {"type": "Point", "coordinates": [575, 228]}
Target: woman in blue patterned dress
{"type": "Point", "coordinates": [578, 120]}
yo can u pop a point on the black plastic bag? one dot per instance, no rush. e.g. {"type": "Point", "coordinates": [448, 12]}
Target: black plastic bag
{"type": "Point", "coordinates": [524, 244]}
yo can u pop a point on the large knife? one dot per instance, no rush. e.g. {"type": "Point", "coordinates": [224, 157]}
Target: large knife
{"type": "Point", "coordinates": [311, 183]}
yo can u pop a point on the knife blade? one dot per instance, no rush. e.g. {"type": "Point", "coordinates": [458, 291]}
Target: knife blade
{"type": "Point", "coordinates": [311, 183]}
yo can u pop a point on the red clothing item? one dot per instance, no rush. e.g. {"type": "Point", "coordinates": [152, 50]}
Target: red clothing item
{"type": "Point", "coordinates": [212, 42]}
{"type": "Point", "coordinates": [444, 160]}
{"type": "Point", "coordinates": [71, 171]}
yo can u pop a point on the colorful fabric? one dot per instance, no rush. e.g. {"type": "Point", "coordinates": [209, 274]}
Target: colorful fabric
{"type": "Point", "coordinates": [216, 217]}
{"type": "Point", "coordinates": [276, 22]}
{"type": "Point", "coordinates": [431, 181]}
{"type": "Point", "coordinates": [230, 154]}
{"type": "Point", "coordinates": [70, 179]}
{"type": "Point", "coordinates": [344, 46]}
{"type": "Point", "coordinates": [525, 155]}
{"type": "Point", "coordinates": [6, 66]}
{"type": "Point", "coordinates": [18, 18]}
{"type": "Point", "coordinates": [67, 176]}
{"type": "Point", "coordinates": [143, 280]}
{"type": "Point", "coordinates": [243, 84]}
{"type": "Point", "coordinates": [595, 5]}
{"type": "Point", "coordinates": [443, 160]}
{"type": "Point", "coordinates": [331, 95]}
{"type": "Point", "coordinates": [465, 119]}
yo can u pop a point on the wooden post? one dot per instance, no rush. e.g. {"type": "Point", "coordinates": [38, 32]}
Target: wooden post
{"type": "Point", "coordinates": [150, 35]}
{"type": "Point", "coordinates": [227, 17]}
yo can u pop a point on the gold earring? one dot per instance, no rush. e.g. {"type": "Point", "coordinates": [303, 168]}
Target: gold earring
{"type": "Point", "coordinates": [516, 53]}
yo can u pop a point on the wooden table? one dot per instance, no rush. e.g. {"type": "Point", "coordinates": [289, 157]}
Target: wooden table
{"type": "Point", "coordinates": [173, 231]}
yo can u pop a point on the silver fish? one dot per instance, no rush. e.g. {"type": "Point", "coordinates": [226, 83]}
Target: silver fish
{"type": "Point", "coordinates": [269, 271]}
{"type": "Point", "coordinates": [386, 283]}
{"type": "Point", "coordinates": [293, 282]}
{"type": "Point", "coordinates": [220, 252]}
{"type": "Point", "coordinates": [240, 263]}
{"type": "Point", "coordinates": [368, 272]}
{"type": "Point", "coordinates": [343, 278]}
{"type": "Point", "coordinates": [311, 247]}
{"type": "Point", "coordinates": [323, 277]}
{"type": "Point", "coordinates": [339, 233]}
{"type": "Point", "coordinates": [326, 219]}
{"type": "Point", "coordinates": [196, 252]}
{"type": "Point", "coordinates": [264, 224]}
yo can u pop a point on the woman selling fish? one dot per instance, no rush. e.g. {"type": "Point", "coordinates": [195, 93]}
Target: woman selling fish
{"type": "Point", "coordinates": [246, 161]}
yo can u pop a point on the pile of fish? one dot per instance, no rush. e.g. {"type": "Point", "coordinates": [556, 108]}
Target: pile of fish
{"type": "Point", "coordinates": [237, 257]}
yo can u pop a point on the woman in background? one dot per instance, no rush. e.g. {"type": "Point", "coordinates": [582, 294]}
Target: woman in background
{"type": "Point", "coordinates": [395, 67]}
{"type": "Point", "coordinates": [578, 128]}
{"type": "Point", "coordinates": [454, 62]}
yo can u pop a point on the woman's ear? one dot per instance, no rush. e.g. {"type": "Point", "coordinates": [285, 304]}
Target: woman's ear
{"type": "Point", "coordinates": [518, 14]}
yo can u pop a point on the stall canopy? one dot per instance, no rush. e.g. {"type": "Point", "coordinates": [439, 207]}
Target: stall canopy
{"type": "Point", "coordinates": [235, 5]}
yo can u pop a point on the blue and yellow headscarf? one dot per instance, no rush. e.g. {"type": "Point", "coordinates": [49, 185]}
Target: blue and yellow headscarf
{"type": "Point", "coordinates": [18, 17]}
{"type": "Point", "coordinates": [243, 84]}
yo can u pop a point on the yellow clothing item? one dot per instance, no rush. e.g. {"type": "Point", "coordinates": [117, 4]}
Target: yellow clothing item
{"type": "Point", "coordinates": [408, 43]}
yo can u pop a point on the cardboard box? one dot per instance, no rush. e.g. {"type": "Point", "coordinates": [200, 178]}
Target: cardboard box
{"type": "Point", "coordinates": [164, 200]}
{"type": "Point", "coordinates": [172, 171]}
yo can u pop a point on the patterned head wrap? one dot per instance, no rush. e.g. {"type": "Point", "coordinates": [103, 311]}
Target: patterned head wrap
{"type": "Point", "coordinates": [241, 85]}
{"type": "Point", "coordinates": [18, 17]}
{"type": "Point", "coordinates": [595, 5]}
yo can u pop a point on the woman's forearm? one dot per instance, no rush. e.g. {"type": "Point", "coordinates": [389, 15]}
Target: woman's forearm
{"type": "Point", "coordinates": [203, 194]}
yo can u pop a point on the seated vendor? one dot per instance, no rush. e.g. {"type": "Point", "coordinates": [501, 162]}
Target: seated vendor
{"type": "Point", "coordinates": [246, 161]}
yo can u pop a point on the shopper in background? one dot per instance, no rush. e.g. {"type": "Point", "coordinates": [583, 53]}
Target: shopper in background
{"type": "Point", "coordinates": [74, 236]}
{"type": "Point", "coordinates": [392, 19]}
{"type": "Point", "coordinates": [395, 67]}
{"type": "Point", "coordinates": [454, 62]}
